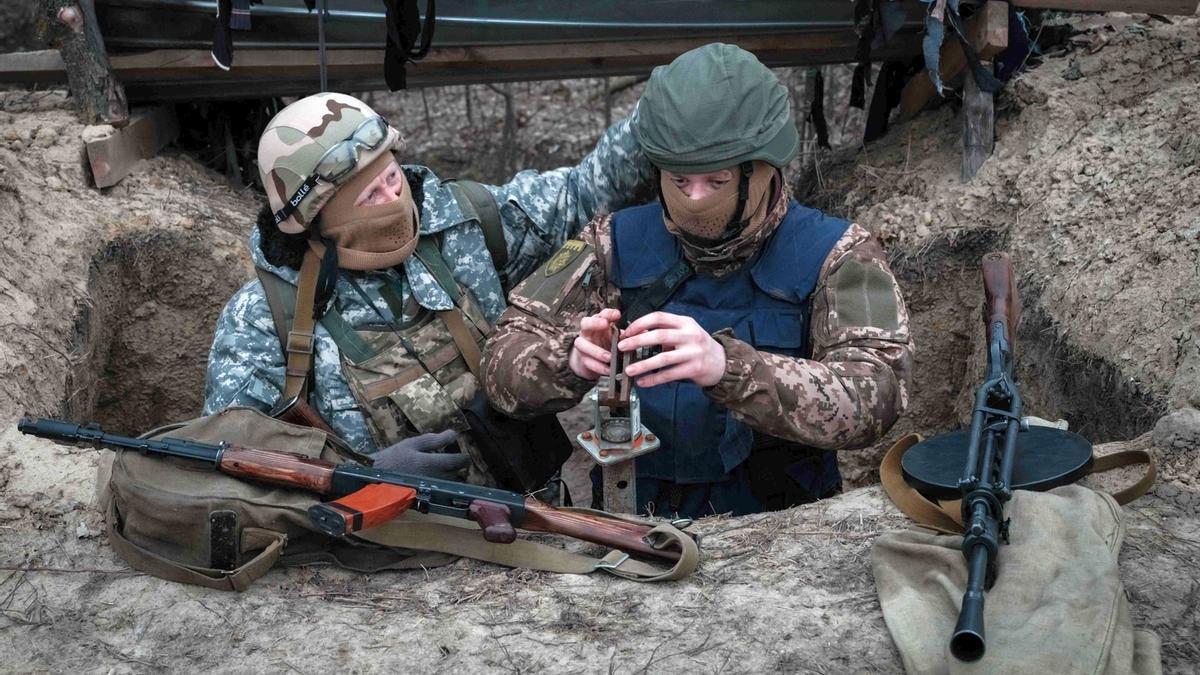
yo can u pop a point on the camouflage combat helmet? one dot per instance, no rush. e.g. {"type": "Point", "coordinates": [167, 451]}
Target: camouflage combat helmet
{"type": "Point", "coordinates": [297, 138]}
{"type": "Point", "coordinates": [715, 107]}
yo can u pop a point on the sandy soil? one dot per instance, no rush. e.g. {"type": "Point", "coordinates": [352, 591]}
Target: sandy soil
{"type": "Point", "coordinates": [111, 295]}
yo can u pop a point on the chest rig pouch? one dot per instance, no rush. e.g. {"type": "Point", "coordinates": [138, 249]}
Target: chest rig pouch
{"type": "Point", "coordinates": [420, 376]}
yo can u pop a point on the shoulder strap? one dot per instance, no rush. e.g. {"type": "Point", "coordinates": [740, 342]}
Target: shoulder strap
{"type": "Point", "coordinates": [298, 349]}
{"type": "Point", "coordinates": [483, 206]}
{"type": "Point", "coordinates": [427, 252]}
{"type": "Point", "coordinates": [654, 296]}
{"type": "Point", "coordinates": [1128, 458]}
{"type": "Point", "coordinates": [453, 320]}
{"type": "Point", "coordinates": [280, 299]}
{"type": "Point", "coordinates": [430, 254]}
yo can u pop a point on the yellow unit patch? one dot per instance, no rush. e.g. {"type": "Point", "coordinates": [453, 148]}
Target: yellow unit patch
{"type": "Point", "coordinates": [569, 252]}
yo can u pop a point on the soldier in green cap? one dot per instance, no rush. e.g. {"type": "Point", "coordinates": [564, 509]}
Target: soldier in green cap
{"type": "Point", "coordinates": [781, 333]}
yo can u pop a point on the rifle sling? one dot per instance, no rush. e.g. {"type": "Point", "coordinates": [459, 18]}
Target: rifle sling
{"type": "Point", "coordinates": [431, 532]}
{"type": "Point", "coordinates": [301, 340]}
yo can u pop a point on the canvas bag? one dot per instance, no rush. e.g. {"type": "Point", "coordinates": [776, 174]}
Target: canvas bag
{"type": "Point", "coordinates": [1058, 604]}
{"type": "Point", "coordinates": [159, 510]}
{"type": "Point", "coordinates": [159, 514]}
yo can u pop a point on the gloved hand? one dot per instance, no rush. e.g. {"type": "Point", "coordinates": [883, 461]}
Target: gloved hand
{"type": "Point", "coordinates": [418, 456]}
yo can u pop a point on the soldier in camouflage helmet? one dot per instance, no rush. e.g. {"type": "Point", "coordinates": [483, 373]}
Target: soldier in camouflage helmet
{"type": "Point", "coordinates": [402, 272]}
{"type": "Point", "coordinates": [781, 332]}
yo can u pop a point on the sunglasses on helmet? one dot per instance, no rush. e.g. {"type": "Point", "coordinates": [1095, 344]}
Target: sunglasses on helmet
{"type": "Point", "coordinates": [338, 162]}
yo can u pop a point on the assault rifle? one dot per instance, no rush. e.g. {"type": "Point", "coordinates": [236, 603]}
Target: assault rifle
{"type": "Point", "coordinates": [997, 455]}
{"type": "Point", "coordinates": [365, 497]}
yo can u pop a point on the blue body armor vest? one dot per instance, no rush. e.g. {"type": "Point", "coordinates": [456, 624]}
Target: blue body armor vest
{"type": "Point", "coordinates": [704, 450]}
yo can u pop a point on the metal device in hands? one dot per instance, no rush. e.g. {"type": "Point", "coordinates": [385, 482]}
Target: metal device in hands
{"type": "Point", "coordinates": [617, 437]}
{"type": "Point", "coordinates": [999, 454]}
{"type": "Point", "coordinates": [365, 497]}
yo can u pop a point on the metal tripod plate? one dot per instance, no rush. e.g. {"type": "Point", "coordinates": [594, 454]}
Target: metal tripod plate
{"type": "Point", "coordinates": [1046, 458]}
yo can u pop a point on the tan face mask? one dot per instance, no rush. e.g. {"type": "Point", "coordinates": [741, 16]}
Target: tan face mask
{"type": "Point", "coordinates": [708, 218]}
{"type": "Point", "coordinates": [369, 237]}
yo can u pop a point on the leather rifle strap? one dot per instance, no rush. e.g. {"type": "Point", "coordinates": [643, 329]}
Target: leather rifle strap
{"type": "Point", "coordinates": [946, 518]}
{"type": "Point", "coordinates": [300, 339]}
{"type": "Point", "coordinates": [453, 320]}
{"type": "Point", "coordinates": [1128, 458]}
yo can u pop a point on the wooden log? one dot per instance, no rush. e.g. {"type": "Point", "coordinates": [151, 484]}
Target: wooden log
{"type": "Point", "coordinates": [986, 30]}
{"type": "Point", "coordinates": [72, 29]}
{"type": "Point", "coordinates": [1175, 7]}
{"type": "Point", "coordinates": [115, 153]}
{"type": "Point", "coordinates": [172, 74]}
{"type": "Point", "coordinates": [978, 133]}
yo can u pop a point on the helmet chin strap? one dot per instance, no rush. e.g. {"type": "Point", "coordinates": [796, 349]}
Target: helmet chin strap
{"type": "Point", "coordinates": [736, 223]}
{"type": "Point", "coordinates": [327, 277]}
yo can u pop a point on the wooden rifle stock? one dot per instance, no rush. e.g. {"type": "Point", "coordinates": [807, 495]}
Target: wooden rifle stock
{"type": "Point", "coordinates": [297, 411]}
{"type": "Point", "coordinates": [278, 468]}
{"type": "Point", "coordinates": [621, 534]}
{"type": "Point", "coordinates": [1000, 286]}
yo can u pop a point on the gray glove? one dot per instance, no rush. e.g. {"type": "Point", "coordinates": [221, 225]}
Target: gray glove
{"type": "Point", "coordinates": [419, 456]}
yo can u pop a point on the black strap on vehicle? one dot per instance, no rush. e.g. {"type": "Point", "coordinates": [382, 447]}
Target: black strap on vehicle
{"type": "Point", "coordinates": [816, 113]}
{"type": "Point", "coordinates": [404, 27]}
{"type": "Point", "coordinates": [865, 13]}
{"type": "Point", "coordinates": [888, 87]}
{"type": "Point", "coordinates": [654, 296]}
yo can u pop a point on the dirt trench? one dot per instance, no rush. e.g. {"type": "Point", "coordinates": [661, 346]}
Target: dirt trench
{"type": "Point", "coordinates": [112, 296]}
{"type": "Point", "coordinates": [145, 334]}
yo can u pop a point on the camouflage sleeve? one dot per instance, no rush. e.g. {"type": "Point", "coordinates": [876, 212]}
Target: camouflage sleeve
{"type": "Point", "coordinates": [525, 360]}
{"type": "Point", "coordinates": [541, 210]}
{"type": "Point", "coordinates": [245, 364]}
{"type": "Point", "coordinates": [856, 384]}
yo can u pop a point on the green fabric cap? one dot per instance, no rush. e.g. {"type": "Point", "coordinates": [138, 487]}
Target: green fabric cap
{"type": "Point", "coordinates": [713, 108]}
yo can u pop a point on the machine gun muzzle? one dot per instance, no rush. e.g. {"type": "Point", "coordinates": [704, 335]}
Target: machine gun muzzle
{"type": "Point", "coordinates": [967, 643]}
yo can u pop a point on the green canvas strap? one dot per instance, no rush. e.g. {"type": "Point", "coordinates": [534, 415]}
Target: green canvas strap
{"type": "Point", "coordinates": [281, 298]}
{"type": "Point", "coordinates": [430, 532]}
{"type": "Point", "coordinates": [475, 200]}
{"type": "Point", "coordinates": [430, 255]}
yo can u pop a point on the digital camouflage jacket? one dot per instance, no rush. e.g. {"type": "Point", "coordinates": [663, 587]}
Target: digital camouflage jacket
{"type": "Point", "coordinates": [539, 211]}
{"type": "Point", "coordinates": [847, 395]}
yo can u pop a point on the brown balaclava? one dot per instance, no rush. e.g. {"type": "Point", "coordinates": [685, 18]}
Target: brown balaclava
{"type": "Point", "coordinates": [369, 237]}
{"type": "Point", "coordinates": [701, 224]}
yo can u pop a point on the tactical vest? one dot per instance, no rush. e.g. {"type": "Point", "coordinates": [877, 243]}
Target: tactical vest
{"type": "Point", "coordinates": [413, 377]}
{"type": "Point", "coordinates": [766, 303]}
{"type": "Point", "coordinates": [421, 376]}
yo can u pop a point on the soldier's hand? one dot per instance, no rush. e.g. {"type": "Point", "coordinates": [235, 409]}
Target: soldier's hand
{"type": "Point", "coordinates": [688, 351]}
{"type": "Point", "coordinates": [419, 456]}
{"type": "Point", "coordinates": [591, 351]}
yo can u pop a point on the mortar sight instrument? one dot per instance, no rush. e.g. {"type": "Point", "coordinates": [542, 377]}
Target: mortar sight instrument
{"type": "Point", "coordinates": [617, 437]}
